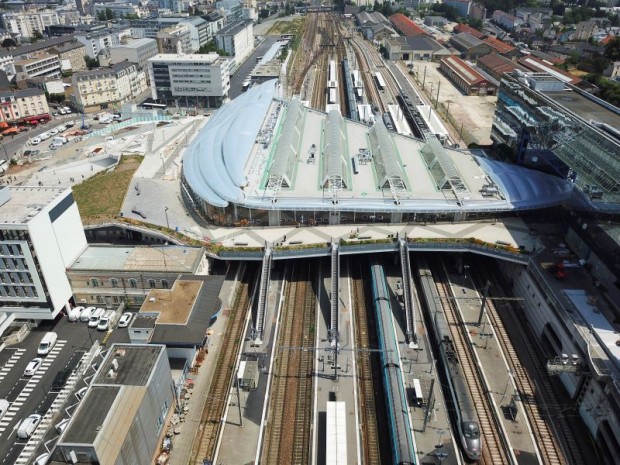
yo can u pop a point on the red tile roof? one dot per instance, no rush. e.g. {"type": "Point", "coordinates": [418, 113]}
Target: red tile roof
{"type": "Point", "coordinates": [406, 26]}
{"type": "Point", "coordinates": [467, 28]}
{"type": "Point", "coordinates": [498, 45]}
{"type": "Point", "coordinates": [498, 64]}
{"type": "Point", "coordinates": [466, 72]}
{"type": "Point", "coordinates": [606, 40]}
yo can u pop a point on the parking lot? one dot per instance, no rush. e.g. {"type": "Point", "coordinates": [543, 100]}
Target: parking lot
{"type": "Point", "coordinates": [34, 394]}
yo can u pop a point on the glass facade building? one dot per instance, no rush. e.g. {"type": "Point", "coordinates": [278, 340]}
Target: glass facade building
{"type": "Point", "coordinates": [562, 130]}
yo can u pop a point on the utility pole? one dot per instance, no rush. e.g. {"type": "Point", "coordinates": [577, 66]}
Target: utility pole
{"type": "Point", "coordinates": [484, 301]}
{"type": "Point", "coordinates": [437, 99]}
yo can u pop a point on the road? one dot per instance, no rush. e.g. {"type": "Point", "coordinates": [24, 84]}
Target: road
{"type": "Point", "coordinates": [243, 71]}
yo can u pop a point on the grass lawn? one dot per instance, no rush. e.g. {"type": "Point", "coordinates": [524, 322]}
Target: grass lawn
{"type": "Point", "coordinates": [287, 27]}
{"type": "Point", "coordinates": [103, 194]}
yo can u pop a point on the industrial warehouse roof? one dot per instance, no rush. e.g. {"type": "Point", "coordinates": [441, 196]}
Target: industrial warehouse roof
{"type": "Point", "coordinates": [261, 152]}
{"type": "Point", "coordinates": [498, 64]}
{"type": "Point", "coordinates": [466, 28]}
{"type": "Point", "coordinates": [541, 66]}
{"type": "Point", "coordinates": [465, 40]}
{"type": "Point", "coordinates": [462, 69]}
{"type": "Point", "coordinates": [498, 45]}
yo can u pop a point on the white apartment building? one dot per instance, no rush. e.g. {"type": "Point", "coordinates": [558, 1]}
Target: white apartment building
{"type": "Point", "coordinates": [137, 51]}
{"type": "Point", "coordinates": [23, 106]}
{"type": "Point", "coordinates": [236, 39]}
{"type": "Point", "coordinates": [102, 40]}
{"type": "Point", "coordinates": [41, 66]}
{"type": "Point", "coordinates": [118, 9]}
{"type": "Point", "coordinates": [7, 64]}
{"type": "Point", "coordinates": [23, 24]}
{"type": "Point", "coordinates": [41, 234]}
{"type": "Point", "coordinates": [190, 80]}
{"type": "Point", "coordinates": [107, 87]}
{"type": "Point", "coordinates": [174, 39]}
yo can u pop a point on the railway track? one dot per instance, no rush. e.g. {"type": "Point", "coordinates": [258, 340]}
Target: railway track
{"type": "Point", "coordinates": [369, 430]}
{"type": "Point", "coordinates": [372, 93]}
{"type": "Point", "coordinates": [494, 450]}
{"type": "Point", "coordinates": [518, 348]}
{"type": "Point", "coordinates": [288, 432]}
{"type": "Point", "coordinates": [211, 424]}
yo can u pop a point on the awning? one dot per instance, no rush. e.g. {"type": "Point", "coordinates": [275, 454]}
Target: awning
{"type": "Point", "coordinates": [35, 119]}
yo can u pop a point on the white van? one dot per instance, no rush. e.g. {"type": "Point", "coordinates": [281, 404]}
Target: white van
{"type": "Point", "coordinates": [44, 136]}
{"type": "Point", "coordinates": [27, 427]}
{"type": "Point", "coordinates": [59, 141]}
{"type": "Point", "coordinates": [4, 406]}
{"type": "Point", "coordinates": [60, 427]}
{"type": "Point", "coordinates": [47, 343]}
{"type": "Point", "coordinates": [74, 313]}
{"type": "Point", "coordinates": [86, 314]}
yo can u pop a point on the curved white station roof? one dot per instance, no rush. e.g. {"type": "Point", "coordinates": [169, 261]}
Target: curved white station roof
{"type": "Point", "coordinates": [230, 161]}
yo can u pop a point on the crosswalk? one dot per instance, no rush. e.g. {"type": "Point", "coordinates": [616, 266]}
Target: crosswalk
{"type": "Point", "coordinates": [30, 386]}
{"type": "Point", "coordinates": [8, 366]}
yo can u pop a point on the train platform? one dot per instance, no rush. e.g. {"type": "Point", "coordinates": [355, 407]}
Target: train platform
{"type": "Point", "coordinates": [243, 420]}
{"type": "Point", "coordinates": [498, 377]}
{"type": "Point", "coordinates": [433, 435]}
{"type": "Point", "coordinates": [335, 379]}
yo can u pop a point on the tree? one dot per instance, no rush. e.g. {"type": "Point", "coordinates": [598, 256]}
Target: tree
{"type": "Point", "coordinates": [8, 42]}
{"type": "Point", "coordinates": [612, 49]}
{"type": "Point", "coordinates": [91, 62]}
{"type": "Point", "coordinates": [109, 14]}
{"type": "Point", "coordinates": [101, 15]}
{"type": "Point", "coordinates": [36, 35]}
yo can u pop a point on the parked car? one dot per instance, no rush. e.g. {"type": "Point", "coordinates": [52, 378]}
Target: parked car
{"type": "Point", "coordinates": [74, 313]}
{"type": "Point", "coordinates": [60, 427]}
{"type": "Point", "coordinates": [44, 136]}
{"type": "Point", "coordinates": [95, 317]}
{"type": "Point", "coordinates": [4, 407]}
{"type": "Point", "coordinates": [70, 124]}
{"type": "Point", "coordinates": [42, 459]}
{"type": "Point", "coordinates": [47, 343]}
{"type": "Point", "coordinates": [35, 141]}
{"type": "Point", "coordinates": [61, 379]}
{"type": "Point", "coordinates": [53, 132]}
{"type": "Point", "coordinates": [81, 393]}
{"type": "Point", "coordinates": [125, 320]}
{"type": "Point", "coordinates": [61, 128]}
{"type": "Point", "coordinates": [86, 314]}
{"type": "Point", "coordinates": [28, 425]}
{"type": "Point", "coordinates": [31, 153]}
{"type": "Point", "coordinates": [104, 324]}
{"type": "Point", "coordinates": [33, 366]}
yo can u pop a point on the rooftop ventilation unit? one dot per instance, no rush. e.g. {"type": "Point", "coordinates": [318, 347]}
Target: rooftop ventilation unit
{"type": "Point", "coordinates": [119, 353]}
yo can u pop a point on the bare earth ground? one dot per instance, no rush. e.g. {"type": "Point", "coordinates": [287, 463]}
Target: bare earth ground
{"type": "Point", "coordinates": [473, 114]}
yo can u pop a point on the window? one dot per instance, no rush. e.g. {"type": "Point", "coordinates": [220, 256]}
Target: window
{"type": "Point", "coordinates": [114, 282]}
{"type": "Point", "coordinates": [94, 282]}
{"type": "Point", "coordinates": [151, 283]}
{"type": "Point", "coordinates": [99, 299]}
{"type": "Point", "coordinates": [133, 283]}
{"type": "Point", "coordinates": [164, 284]}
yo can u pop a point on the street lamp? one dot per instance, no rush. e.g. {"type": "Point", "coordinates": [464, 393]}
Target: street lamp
{"type": "Point", "coordinates": [166, 213]}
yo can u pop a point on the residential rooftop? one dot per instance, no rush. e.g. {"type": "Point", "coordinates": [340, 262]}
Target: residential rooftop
{"type": "Point", "coordinates": [173, 305]}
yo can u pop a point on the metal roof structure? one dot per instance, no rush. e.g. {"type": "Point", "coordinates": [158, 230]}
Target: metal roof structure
{"type": "Point", "coordinates": [385, 160]}
{"type": "Point", "coordinates": [287, 149]}
{"type": "Point", "coordinates": [334, 163]}
{"type": "Point", "coordinates": [256, 140]}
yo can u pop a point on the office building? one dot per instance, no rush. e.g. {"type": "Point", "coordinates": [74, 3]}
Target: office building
{"type": "Point", "coordinates": [105, 88]}
{"type": "Point", "coordinates": [109, 275]}
{"type": "Point", "coordinates": [190, 80]}
{"type": "Point", "coordinates": [236, 39]}
{"type": "Point", "coordinates": [41, 233]}
{"type": "Point", "coordinates": [554, 126]}
{"type": "Point", "coordinates": [121, 418]}
{"type": "Point", "coordinates": [137, 51]}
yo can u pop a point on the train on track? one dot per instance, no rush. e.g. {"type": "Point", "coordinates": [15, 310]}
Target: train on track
{"type": "Point", "coordinates": [464, 408]}
{"type": "Point", "coordinates": [401, 439]}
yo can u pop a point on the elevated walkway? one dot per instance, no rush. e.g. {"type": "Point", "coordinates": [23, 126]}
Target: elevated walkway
{"type": "Point", "coordinates": [262, 295]}
{"type": "Point", "coordinates": [335, 294]}
{"type": "Point", "coordinates": [407, 294]}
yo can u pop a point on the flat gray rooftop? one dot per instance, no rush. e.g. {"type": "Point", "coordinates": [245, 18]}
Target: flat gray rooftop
{"type": "Point", "coordinates": [584, 107]}
{"type": "Point", "coordinates": [93, 411]}
{"type": "Point", "coordinates": [135, 364]}
{"type": "Point", "coordinates": [163, 259]}
{"type": "Point", "coordinates": [26, 202]}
